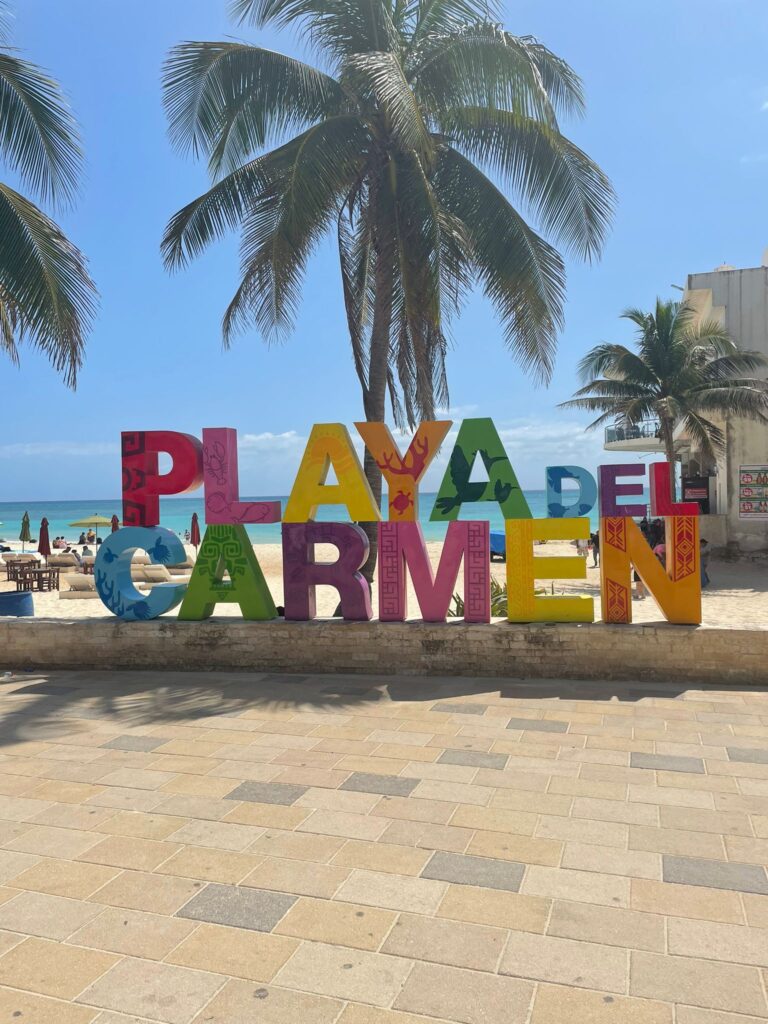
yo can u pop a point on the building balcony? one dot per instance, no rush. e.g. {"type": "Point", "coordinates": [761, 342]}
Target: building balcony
{"type": "Point", "coordinates": [640, 437]}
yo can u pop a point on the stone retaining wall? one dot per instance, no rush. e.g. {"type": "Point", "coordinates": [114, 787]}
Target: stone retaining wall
{"type": "Point", "coordinates": [632, 652]}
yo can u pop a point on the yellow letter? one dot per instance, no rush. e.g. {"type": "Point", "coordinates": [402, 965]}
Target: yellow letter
{"type": "Point", "coordinates": [329, 445]}
{"type": "Point", "coordinates": [523, 568]}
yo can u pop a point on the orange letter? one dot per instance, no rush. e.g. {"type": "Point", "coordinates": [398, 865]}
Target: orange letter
{"type": "Point", "coordinates": [403, 474]}
{"type": "Point", "coordinates": [677, 591]}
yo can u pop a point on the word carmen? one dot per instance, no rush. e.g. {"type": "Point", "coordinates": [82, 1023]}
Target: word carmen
{"type": "Point", "coordinates": [227, 569]}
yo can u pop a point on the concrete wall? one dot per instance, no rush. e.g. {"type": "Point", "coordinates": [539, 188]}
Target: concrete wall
{"type": "Point", "coordinates": [740, 299]}
{"type": "Point", "coordinates": [688, 654]}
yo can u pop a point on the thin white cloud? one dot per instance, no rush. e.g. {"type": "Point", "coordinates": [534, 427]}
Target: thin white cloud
{"type": "Point", "coordinates": [58, 449]}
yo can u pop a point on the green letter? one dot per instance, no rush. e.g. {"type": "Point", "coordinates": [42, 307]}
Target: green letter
{"type": "Point", "coordinates": [227, 548]}
{"type": "Point", "coordinates": [479, 437]}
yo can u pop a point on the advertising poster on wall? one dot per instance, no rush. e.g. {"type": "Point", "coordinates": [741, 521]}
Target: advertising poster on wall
{"type": "Point", "coordinates": [753, 492]}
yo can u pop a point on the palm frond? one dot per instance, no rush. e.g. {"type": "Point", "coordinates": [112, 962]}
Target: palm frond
{"type": "Point", "coordinates": [38, 134]}
{"type": "Point", "coordinates": [339, 27]}
{"type": "Point", "coordinates": [571, 197]}
{"type": "Point", "coordinates": [381, 74]}
{"type": "Point", "coordinates": [520, 273]}
{"type": "Point", "coordinates": [46, 293]}
{"type": "Point", "coordinates": [287, 220]}
{"type": "Point", "coordinates": [479, 66]}
{"type": "Point", "coordinates": [226, 100]}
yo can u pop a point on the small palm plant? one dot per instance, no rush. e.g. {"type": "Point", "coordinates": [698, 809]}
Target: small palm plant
{"type": "Point", "coordinates": [47, 297]}
{"type": "Point", "coordinates": [684, 371]}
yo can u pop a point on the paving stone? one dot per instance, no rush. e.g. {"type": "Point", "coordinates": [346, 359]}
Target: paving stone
{"type": "Point", "coordinates": [704, 983]}
{"type": "Point", "coordinates": [344, 973]}
{"type": "Point", "coordinates": [565, 962]}
{"type": "Point", "coordinates": [473, 758]}
{"type": "Point", "coordinates": [537, 725]}
{"type": "Point", "coordinates": [467, 997]}
{"type": "Point", "coordinates": [50, 689]}
{"type": "Point", "coordinates": [344, 924]}
{"type": "Point", "coordinates": [238, 907]}
{"type": "Point", "coordinates": [455, 943]}
{"type": "Point", "coordinates": [386, 785]}
{"type": "Point", "coordinates": [392, 892]}
{"type": "Point", "coordinates": [748, 755]}
{"type": "Point", "coordinates": [715, 875]}
{"type": "Point", "coordinates": [241, 1002]}
{"type": "Point", "coordinates": [160, 992]}
{"type": "Point", "coordinates": [667, 762]}
{"type": "Point", "coordinates": [50, 917]}
{"type": "Point", "coordinates": [494, 907]}
{"type": "Point", "coordinates": [727, 942]}
{"type": "Point", "coordinates": [150, 936]}
{"type": "Point", "coordinates": [267, 792]}
{"type": "Point", "coordinates": [611, 926]}
{"type": "Point", "coordinates": [556, 1004]}
{"type": "Point", "coordinates": [232, 952]}
{"type": "Point", "coordinates": [25, 1008]}
{"type": "Point", "coordinates": [480, 871]}
{"type": "Point", "coordinates": [52, 968]}
{"type": "Point", "coordinates": [134, 743]}
{"type": "Point", "coordinates": [460, 709]}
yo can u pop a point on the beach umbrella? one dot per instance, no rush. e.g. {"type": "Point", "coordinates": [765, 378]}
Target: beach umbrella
{"type": "Point", "coordinates": [194, 532]}
{"type": "Point", "coordinates": [94, 522]}
{"type": "Point", "coordinates": [115, 524]}
{"type": "Point", "coordinates": [25, 536]}
{"type": "Point", "coordinates": [44, 542]}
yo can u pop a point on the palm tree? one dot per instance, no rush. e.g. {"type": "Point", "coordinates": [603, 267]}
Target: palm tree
{"type": "Point", "coordinates": [684, 371]}
{"type": "Point", "coordinates": [387, 145]}
{"type": "Point", "coordinates": [47, 297]}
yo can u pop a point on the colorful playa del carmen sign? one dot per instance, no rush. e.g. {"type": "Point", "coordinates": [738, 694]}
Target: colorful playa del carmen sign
{"type": "Point", "coordinates": [227, 569]}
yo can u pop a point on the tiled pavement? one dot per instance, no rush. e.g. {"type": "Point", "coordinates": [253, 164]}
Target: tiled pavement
{"type": "Point", "coordinates": [246, 849]}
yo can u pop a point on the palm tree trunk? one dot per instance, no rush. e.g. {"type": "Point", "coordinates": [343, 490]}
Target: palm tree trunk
{"type": "Point", "coordinates": [376, 393]}
{"type": "Point", "coordinates": [667, 435]}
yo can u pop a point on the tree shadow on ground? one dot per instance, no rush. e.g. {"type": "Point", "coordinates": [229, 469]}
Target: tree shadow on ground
{"type": "Point", "coordinates": [42, 706]}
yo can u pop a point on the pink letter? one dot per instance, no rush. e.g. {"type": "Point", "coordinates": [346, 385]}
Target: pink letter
{"type": "Point", "coordinates": [401, 546]}
{"type": "Point", "coordinates": [610, 490]}
{"type": "Point", "coordinates": [661, 496]}
{"type": "Point", "coordinates": [142, 483]}
{"type": "Point", "coordinates": [221, 485]}
{"type": "Point", "coordinates": [301, 573]}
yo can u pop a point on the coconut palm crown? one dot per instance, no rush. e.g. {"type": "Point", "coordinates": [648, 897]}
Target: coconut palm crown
{"type": "Point", "coordinates": [684, 371]}
{"type": "Point", "coordinates": [387, 145]}
{"type": "Point", "coordinates": [47, 298]}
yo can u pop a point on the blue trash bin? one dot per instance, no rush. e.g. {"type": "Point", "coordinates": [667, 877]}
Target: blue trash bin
{"type": "Point", "coordinates": [19, 604]}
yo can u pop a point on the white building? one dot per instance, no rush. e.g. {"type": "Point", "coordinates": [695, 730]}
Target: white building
{"type": "Point", "coordinates": [738, 481]}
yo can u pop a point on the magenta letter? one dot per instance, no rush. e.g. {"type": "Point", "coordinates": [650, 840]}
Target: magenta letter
{"type": "Point", "coordinates": [301, 573]}
{"type": "Point", "coordinates": [401, 546]}
{"type": "Point", "coordinates": [221, 486]}
{"type": "Point", "coordinates": [610, 490]}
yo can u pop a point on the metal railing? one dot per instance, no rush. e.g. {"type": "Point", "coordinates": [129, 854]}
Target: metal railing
{"type": "Point", "coordinates": [648, 428]}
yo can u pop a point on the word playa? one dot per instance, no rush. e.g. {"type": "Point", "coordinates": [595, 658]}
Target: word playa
{"type": "Point", "coordinates": [227, 569]}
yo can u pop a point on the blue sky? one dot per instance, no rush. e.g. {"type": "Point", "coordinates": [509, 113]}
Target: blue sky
{"type": "Point", "coordinates": [677, 115]}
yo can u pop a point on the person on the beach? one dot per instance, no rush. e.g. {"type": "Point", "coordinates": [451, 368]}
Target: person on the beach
{"type": "Point", "coordinates": [639, 594]}
{"type": "Point", "coordinates": [661, 552]}
{"type": "Point", "coordinates": [90, 537]}
{"type": "Point", "coordinates": [86, 551]}
{"type": "Point", "coordinates": [71, 551]}
{"type": "Point", "coordinates": [582, 546]}
{"type": "Point", "coordinates": [704, 552]}
{"type": "Point", "coordinates": [595, 538]}
{"type": "Point", "coordinates": [81, 538]}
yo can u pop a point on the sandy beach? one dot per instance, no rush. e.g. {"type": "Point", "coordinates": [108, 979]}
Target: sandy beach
{"type": "Point", "coordinates": [737, 596]}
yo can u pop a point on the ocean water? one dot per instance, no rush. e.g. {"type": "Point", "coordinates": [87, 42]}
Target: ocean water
{"type": "Point", "coordinates": [176, 515]}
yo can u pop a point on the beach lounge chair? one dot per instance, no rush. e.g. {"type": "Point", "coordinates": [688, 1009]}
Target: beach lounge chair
{"type": "Point", "coordinates": [79, 587]}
